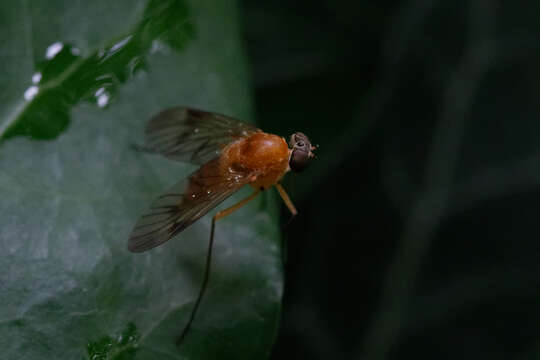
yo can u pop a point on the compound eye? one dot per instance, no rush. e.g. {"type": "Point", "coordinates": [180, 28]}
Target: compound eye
{"type": "Point", "coordinates": [299, 160]}
{"type": "Point", "coordinates": [298, 139]}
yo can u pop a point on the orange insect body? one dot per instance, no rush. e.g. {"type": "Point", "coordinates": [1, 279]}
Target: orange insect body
{"type": "Point", "coordinates": [265, 155]}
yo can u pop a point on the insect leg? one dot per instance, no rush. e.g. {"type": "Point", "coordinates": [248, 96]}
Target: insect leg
{"type": "Point", "coordinates": [287, 201]}
{"type": "Point", "coordinates": [221, 214]}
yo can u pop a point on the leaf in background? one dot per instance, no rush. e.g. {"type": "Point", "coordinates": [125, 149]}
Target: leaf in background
{"type": "Point", "coordinates": [66, 76]}
{"type": "Point", "coordinates": [124, 346]}
{"type": "Point", "coordinates": [68, 204]}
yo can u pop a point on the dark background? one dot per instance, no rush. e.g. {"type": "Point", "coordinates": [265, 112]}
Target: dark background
{"type": "Point", "coordinates": [418, 234]}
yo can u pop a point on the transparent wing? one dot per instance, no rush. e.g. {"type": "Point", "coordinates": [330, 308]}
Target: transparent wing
{"type": "Point", "coordinates": [183, 204]}
{"type": "Point", "coordinates": [192, 135]}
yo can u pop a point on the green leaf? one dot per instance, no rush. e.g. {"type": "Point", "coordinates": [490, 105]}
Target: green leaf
{"type": "Point", "coordinates": [69, 287]}
{"type": "Point", "coordinates": [124, 346]}
{"type": "Point", "coordinates": [66, 76]}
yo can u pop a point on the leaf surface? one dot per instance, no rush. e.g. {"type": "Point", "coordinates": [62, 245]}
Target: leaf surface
{"type": "Point", "coordinates": [72, 186]}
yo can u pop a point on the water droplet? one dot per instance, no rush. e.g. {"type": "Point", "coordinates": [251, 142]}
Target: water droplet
{"type": "Point", "coordinates": [103, 100]}
{"type": "Point", "coordinates": [102, 97]}
{"type": "Point", "coordinates": [100, 91]}
{"type": "Point", "coordinates": [209, 192]}
{"type": "Point", "coordinates": [31, 92]}
{"type": "Point", "coordinates": [158, 46]}
{"type": "Point", "coordinates": [36, 78]}
{"type": "Point", "coordinates": [193, 196]}
{"type": "Point", "coordinates": [120, 44]}
{"type": "Point", "coordinates": [196, 130]}
{"type": "Point", "coordinates": [53, 49]}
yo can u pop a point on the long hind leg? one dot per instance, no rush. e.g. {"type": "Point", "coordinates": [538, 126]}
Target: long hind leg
{"type": "Point", "coordinates": [220, 215]}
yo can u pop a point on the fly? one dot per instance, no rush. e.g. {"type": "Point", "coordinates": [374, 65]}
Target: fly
{"type": "Point", "coordinates": [231, 154]}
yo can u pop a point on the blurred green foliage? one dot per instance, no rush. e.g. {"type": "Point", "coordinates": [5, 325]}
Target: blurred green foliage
{"type": "Point", "coordinates": [65, 76]}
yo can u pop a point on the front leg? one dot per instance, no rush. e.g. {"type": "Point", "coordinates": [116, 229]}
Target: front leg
{"type": "Point", "coordinates": [287, 201]}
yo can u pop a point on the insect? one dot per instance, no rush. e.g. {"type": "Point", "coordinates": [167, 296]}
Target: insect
{"type": "Point", "coordinates": [231, 154]}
